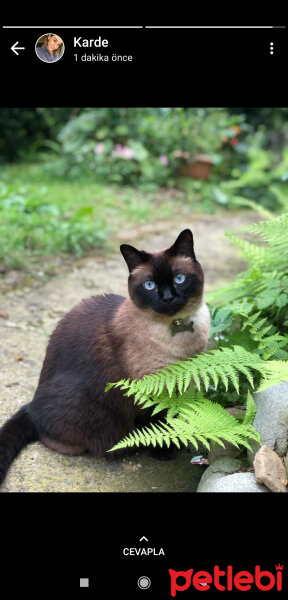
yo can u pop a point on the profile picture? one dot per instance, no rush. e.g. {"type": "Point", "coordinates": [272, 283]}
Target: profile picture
{"type": "Point", "coordinates": [49, 47]}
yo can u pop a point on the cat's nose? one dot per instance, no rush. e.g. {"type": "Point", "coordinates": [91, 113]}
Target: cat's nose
{"type": "Point", "coordinates": [167, 296]}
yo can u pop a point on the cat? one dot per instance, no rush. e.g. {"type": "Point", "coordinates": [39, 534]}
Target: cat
{"type": "Point", "coordinates": [107, 338]}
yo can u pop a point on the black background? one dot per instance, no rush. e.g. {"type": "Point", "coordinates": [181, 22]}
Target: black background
{"type": "Point", "coordinates": [50, 541]}
{"type": "Point", "coordinates": [170, 67]}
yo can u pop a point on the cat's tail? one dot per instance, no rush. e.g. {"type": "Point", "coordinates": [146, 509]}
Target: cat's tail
{"type": "Point", "coordinates": [15, 434]}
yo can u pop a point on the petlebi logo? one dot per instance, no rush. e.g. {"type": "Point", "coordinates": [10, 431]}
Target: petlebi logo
{"type": "Point", "coordinates": [226, 579]}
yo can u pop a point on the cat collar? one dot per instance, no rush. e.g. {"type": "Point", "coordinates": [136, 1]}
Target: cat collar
{"type": "Point", "coordinates": [178, 326]}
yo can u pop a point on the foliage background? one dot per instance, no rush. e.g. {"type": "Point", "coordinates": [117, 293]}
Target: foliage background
{"type": "Point", "coordinates": [70, 176]}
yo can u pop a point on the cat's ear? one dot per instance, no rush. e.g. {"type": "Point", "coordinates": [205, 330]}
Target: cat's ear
{"type": "Point", "coordinates": [133, 257]}
{"type": "Point", "coordinates": [183, 245]}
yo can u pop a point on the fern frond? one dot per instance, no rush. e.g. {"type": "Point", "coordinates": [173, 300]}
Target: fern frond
{"type": "Point", "coordinates": [199, 421]}
{"type": "Point", "coordinates": [275, 350]}
{"type": "Point", "coordinates": [274, 231]}
{"type": "Point", "coordinates": [163, 401]}
{"type": "Point", "coordinates": [268, 345]}
{"type": "Point", "coordinates": [239, 200]}
{"type": "Point", "coordinates": [247, 284]}
{"type": "Point", "coordinates": [253, 253]}
{"type": "Point", "coordinates": [281, 197]}
{"type": "Point", "coordinates": [275, 371]}
{"type": "Point", "coordinates": [223, 365]}
{"type": "Point", "coordinates": [228, 289]}
{"type": "Point", "coordinates": [268, 272]}
{"type": "Point", "coordinates": [251, 410]}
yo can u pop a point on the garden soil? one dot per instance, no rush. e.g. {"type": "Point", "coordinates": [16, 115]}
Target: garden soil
{"type": "Point", "coordinates": [28, 316]}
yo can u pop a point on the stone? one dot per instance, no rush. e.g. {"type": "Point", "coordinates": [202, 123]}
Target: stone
{"type": "Point", "coordinates": [271, 419]}
{"type": "Point", "coordinates": [236, 483]}
{"type": "Point", "coordinates": [236, 410]}
{"type": "Point", "coordinates": [217, 470]}
{"type": "Point", "coordinates": [270, 470]}
{"type": "Point", "coordinates": [217, 451]}
{"type": "Point", "coordinates": [222, 476]}
{"type": "Point", "coordinates": [226, 465]}
{"type": "Point", "coordinates": [208, 481]}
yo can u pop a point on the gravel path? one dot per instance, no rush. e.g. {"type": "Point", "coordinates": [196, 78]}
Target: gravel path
{"type": "Point", "coordinates": [32, 315]}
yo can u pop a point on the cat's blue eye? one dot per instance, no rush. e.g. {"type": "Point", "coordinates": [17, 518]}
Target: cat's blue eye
{"type": "Point", "coordinates": [179, 278]}
{"type": "Point", "coordinates": [149, 285]}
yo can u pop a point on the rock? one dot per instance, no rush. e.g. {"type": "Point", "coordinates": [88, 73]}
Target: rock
{"type": "Point", "coordinates": [217, 470]}
{"type": "Point", "coordinates": [271, 419]}
{"type": "Point", "coordinates": [209, 480]}
{"type": "Point", "coordinates": [237, 482]}
{"type": "Point", "coordinates": [226, 465]}
{"type": "Point", "coordinates": [216, 451]}
{"type": "Point", "coordinates": [236, 410]}
{"type": "Point", "coordinates": [269, 469]}
{"type": "Point", "coordinates": [221, 477]}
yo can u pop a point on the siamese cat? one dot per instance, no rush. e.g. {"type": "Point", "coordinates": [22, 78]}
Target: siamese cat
{"type": "Point", "coordinates": [107, 338]}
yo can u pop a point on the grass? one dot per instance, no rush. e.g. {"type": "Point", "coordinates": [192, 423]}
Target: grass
{"type": "Point", "coordinates": [42, 215]}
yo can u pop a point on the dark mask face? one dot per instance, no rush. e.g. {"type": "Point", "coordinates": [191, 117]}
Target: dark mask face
{"type": "Point", "coordinates": [167, 280]}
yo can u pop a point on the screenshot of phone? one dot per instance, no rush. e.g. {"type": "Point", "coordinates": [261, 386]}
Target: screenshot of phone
{"type": "Point", "coordinates": [143, 308]}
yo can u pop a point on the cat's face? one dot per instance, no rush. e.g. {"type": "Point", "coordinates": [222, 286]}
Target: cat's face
{"type": "Point", "coordinates": [168, 280]}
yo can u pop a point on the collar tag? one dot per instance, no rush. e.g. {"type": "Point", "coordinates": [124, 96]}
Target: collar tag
{"type": "Point", "coordinates": [178, 326]}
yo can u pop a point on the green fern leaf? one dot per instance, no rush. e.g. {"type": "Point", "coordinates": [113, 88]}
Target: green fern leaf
{"type": "Point", "coordinates": [274, 231]}
{"type": "Point", "coordinates": [202, 421]}
{"type": "Point", "coordinates": [251, 252]}
{"type": "Point", "coordinates": [276, 371]}
{"type": "Point", "coordinates": [224, 364]}
{"type": "Point", "coordinates": [251, 410]}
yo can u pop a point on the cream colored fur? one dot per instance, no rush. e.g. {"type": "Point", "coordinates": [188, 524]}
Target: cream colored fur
{"type": "Point", "coordinates": [147, 344]}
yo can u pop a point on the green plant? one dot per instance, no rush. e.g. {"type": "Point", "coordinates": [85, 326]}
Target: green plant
{"type": "Point", "coordinates": [196, 420]}
{"type": "Point", "coordinates": [30, 223]}
{"type": "Point", "coordinates": [265, 284]}
{"type": "Point", "coordinates": [138, 145]}
{"type": "Point", "coordinates": [24, 130]}
{"type": "Point", "coordinates": [172, 388]}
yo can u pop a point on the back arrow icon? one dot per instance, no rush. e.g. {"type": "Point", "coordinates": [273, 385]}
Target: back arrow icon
{"type": "Point", "coordinates": [15, 48]}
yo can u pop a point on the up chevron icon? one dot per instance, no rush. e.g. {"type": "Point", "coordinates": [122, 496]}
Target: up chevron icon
{"type": "Point", "coordinates": [144, 538]}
